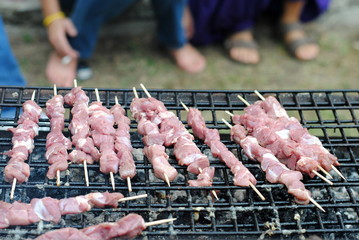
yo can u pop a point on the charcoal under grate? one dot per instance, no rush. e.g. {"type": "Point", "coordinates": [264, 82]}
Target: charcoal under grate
{"type": "Point", "coordinates": [332, 115]}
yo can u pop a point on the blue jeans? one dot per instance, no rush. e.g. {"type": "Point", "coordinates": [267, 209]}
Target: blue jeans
{"type": "Point", "coordinates": [89, 15]}
{"type": "Point", "coordinates": [10, 74]}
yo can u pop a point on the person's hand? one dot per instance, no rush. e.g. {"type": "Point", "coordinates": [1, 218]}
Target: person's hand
{"type": "Point", "coordinates": [57, 34]}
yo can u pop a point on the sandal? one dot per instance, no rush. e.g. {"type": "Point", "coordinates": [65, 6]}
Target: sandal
{"type": "Point", "coordinates": [293, 45]}
{"type": "Point", "coordinates": [238, 43]}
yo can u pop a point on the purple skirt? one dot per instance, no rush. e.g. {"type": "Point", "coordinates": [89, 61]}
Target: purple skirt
{"type": "Point", "coordinates": [215, 20]}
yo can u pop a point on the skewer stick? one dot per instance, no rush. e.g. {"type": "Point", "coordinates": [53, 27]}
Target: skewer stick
{"type": "Point", "coordinates": [129, 185]}
{"type": "Point", "coordinates": [13, 188]}
{"type": "Point", "coordinates": [112, 179]}
{"type": "Point", "coordinates": [325, 172]}
{"type": "Point", "coordinates": [259, 95]}
{"type": "Point", "coordinates": [145, 90]}
{"type": "Point", "coordinates": [315, 203]}
{"type": "Point", "coordinates": [148, 224]}
{"type": "Point", "coordinates": [58, 178]}
{"type": "Point", "coordinates": [229, 113]}
{"type": "Point", "coordinates": [132, 198]}
{"type": "Point", "coordinates": [135, 92]}
{"type": "Point", "coordinates": [227, 123]}
{"type": "Point", "coordinates": [149, 95]}
{"type": "Point", "coordinates": [322, 177]}
{"type": "Point", "coordinates": [338, 172]}
{"type": "Point", "coordinates": [33, 95]}
{"type": "Point", "coordinates": [184, 106]}
{"type": "Point", "coordinates": [86, 173]}
{"type": "Point", "coordinates": [167, 180]}
{"type": "Point", "coordinates": [243, 100]}
{"type": "Point", "coordinates": [257, 191]}
{"type": "Point", "coordinates": [75, 83]}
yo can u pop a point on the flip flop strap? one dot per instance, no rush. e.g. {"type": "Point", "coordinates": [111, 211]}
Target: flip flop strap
{"type": "Point", "coordinates": [228, 44]}
{"type": "Point", "coordinates": [288, 27]}
{"type": "Point", "coordinates": [293, 45]}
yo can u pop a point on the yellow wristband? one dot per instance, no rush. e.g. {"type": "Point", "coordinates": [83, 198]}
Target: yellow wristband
{"type": "Point", "coordinates": [52, 18]}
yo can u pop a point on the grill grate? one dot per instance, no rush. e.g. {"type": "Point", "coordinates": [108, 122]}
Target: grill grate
{"type": "Point", "coordinates": [330, 115]}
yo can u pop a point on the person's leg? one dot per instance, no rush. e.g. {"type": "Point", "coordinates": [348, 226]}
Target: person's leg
{"type": "Point", "coordinates": [171, 33]}
{"type": "Point", "coordinates": [240, 44]}
{"type": "Point", "coordinates": [88, 17]}
{"type": "Point", "coordinates": [10, 74]}
{"type": "Point", "coordinates": [292, 11]}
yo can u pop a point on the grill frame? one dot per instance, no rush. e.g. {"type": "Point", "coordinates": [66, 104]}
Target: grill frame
{"type": "Point", "coordinates": [333, 113]}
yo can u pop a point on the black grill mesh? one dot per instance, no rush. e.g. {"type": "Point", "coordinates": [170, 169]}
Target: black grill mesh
{"type": "Point", "coordinates": [330, 115]}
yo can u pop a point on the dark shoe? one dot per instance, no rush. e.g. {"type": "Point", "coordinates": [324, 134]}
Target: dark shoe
{"type": "Point", "coordinates": [84, 71]}
{"type": "Point", "coordinates": [293, 45]}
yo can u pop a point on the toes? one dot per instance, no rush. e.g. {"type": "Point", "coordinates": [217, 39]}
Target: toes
{"type": "Point", "coordinates": [307, 52]}
{"type": "Point", "coordinates": [243, 55]}
{"type": "Point", "coordinates": [189, 59]}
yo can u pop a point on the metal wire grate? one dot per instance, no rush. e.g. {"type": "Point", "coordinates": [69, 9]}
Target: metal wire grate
{"type": "Point", "coordinates": [330, 115]}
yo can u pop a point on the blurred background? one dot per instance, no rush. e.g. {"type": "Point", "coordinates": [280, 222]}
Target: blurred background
{"type": "Point", "coordinates": [128, 54]}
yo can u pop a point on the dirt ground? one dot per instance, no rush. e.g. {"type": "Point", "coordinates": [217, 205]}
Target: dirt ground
{"type": "Point", "coordinates": [121, 61]}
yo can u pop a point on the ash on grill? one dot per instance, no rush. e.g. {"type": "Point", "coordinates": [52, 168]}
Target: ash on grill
{"type": "Point", "coordinates": [239, 213]}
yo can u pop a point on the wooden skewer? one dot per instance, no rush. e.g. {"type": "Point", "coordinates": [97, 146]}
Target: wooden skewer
{"type": "Point", "coordinates": [129, 185]}
{"type": "Point", "coordinates": [84, 162]}
{"type": "Point", "coordinates": [322, 177]}
{"type": "Point", "coordinates": [86, 173]}
{"type": "Point", "coordinates": [145, 90]}
{"type": "Point", "coordinates": [167, 180]}
{"type": "Point", "coordinates": [315, 172]}
{"type": "Point", "coordinates": [316, 204]}
{"type": "Point", "coordinates": [14, 181]}
{"type": "Point", "coordinates": [112, 179]}
{"type": "Point", "coordinates": [257, 191]}
{"type": "Point", "coordinates": [259, 95]}
{"type": "Point", "coordinates": [132, 198]}
{"type": "Point", "coordinates": [229, 113]}
{"type": "Point", "coordinates": [310, 199]}
{"type": "Point", "coordinates": [13, 186]}
{"type": "Point", "coordinates": [338, 172]}
{"type": "Point", "coordinates": [325, 172]}
{"type": "Point", "coordinates": [135, 92]}
{"type": "Point", "coordinates": [148, 224]}
{"type": "Point", "coordinates": [149, 95]}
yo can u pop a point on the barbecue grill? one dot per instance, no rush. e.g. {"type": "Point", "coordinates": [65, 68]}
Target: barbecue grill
{"type": "Point", "coordinates": [331, 115]}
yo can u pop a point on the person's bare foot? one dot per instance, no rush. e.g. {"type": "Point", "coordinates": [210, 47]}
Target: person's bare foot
{"type": "Point", "coordinates": [59, 73]}
{"type": "Point", "coordinates": [305, 51]}
{"type": "Point", "coordinates": [189, 59]}
{"type": "Point", "coordinates": [242, 48]}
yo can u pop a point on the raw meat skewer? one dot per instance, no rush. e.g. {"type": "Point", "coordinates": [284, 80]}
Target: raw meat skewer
{"type": "Point", "coordinates": [229, 155]}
